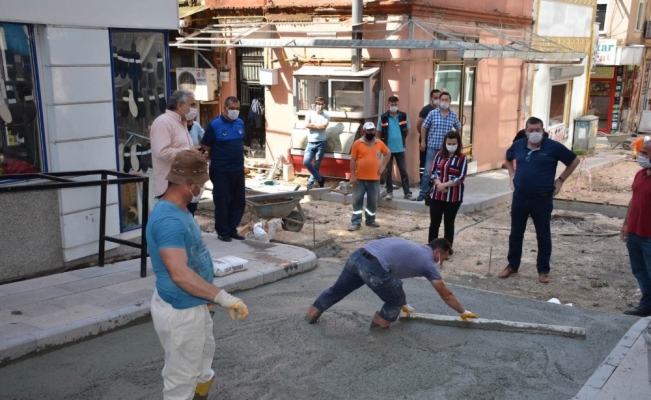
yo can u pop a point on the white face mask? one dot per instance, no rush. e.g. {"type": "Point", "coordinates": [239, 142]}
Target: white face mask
{"type": "Point", "coordinates": [451, 147]}
{"type": "Point", "coordinates": [444, 105]}
{"type": "Point", "coordinates": [535, 137]}
{"type": "Point", "coordinates": [319, 107]}
{"type": "Point", "coordinates": [436, 102]}
{"type": "Point", "coordinates": [393, 109]}
{"type": "Point", "coordinates": [195, 199]}
{"type": "Point", "coordinates": [233, 114]}
{"type": "Point", "coordinates": [191, 115]}
{"type": "Point", "coordinates": [644, 162]}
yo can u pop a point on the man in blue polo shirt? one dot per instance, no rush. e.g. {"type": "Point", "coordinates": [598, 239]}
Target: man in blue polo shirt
{"type": "Point", "coordinates": [393, 128]}
{"type": "Point", "coordinates": [224, 140]}
{"type": "Point", "coordinates": [534, 188]}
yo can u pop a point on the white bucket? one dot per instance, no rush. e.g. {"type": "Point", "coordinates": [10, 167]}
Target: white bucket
{"type": "Point", "coordinates": [647, 338]}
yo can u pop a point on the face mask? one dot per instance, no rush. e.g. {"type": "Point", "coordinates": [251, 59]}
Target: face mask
{"type": "Point", "coordinates": [436, 102]}
{"type": "Point", "coordinates": [393, 109]}
{"type": "Point", "coordinates": [535, 137]}
{"type": "Point", "coordinates": [195, 199]}
{"type": "Point", "coordinates": [451, 147]}
{"type": "Point", "coordinates": [369, 136]}
{"type": "Point", "coordinates": [233, 114]}
{"type": "Point", "coordinates": [644, 162]}
{"type": "Point", "coordinates": [319, 107]}
{"type": "Point", "coordinates": [444, 105]}
{"type": "Point", "coordinates": [191, 115]}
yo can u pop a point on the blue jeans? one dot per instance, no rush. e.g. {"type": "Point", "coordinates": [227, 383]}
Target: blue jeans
{"type": "Point", "coordinates": [359, 270]}
{"type": "Point", "coordinates": [540, 209]}
{"type": "Point", "coordinates": [424, 181]}
{"type": "Point", "coordinates": [639, 252]}
{"type": "Point", "coordinates": [314, 151]}
{"type": "Point", "coordinates": [372, 191]}
{"type": "Point", "coordinates": [401, 161]}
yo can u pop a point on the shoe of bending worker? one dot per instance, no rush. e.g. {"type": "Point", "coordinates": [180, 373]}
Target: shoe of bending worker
{"type": "Point", "coordinates": [202, 390]}
{"type": "Point", "coordinates": [312, 315]}
{"type": "Point", "coordinates": [379, 322]}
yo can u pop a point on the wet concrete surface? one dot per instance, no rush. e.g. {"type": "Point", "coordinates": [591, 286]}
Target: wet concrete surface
{"type": "Point", "coordinates": [275, 354]}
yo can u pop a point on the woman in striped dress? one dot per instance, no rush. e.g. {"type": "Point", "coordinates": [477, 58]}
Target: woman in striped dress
{"type": "Point", "coordinates": [448, 173]}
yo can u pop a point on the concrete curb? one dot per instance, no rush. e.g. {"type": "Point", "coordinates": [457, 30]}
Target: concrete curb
{"type": "Point", "coordinates": [29, 344]}
{"type": "Point", "coordinates": [596, 382]}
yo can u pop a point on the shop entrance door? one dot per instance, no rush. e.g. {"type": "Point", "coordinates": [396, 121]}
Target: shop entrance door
{"type": "Point", "coordinates": [251, 95]}
{"type": "Point", "coordinates": [459, 80]}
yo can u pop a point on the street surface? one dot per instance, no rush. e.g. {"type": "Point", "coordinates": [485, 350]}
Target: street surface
{"type": "Point", "coordinates": [274, 354]}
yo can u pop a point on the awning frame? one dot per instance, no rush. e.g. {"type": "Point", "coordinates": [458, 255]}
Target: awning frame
{"type": "Point", "coordinates": [522, 44]}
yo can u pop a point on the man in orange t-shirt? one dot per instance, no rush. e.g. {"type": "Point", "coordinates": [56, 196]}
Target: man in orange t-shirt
{"type": "Point", "coordinates": [366, 166]}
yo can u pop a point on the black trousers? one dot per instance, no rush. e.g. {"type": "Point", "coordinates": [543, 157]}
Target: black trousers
{"type": "Point", "coordinates": [229, 198]}
{"type": "Point", "coordinates": [446, 211]}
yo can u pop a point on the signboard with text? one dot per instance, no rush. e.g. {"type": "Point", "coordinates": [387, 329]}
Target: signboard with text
{"type": "Point", "coordinates": [607, 52]}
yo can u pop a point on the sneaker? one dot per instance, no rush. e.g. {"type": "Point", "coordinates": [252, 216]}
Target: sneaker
{"type": "Point", "coordinates": [236, 236]}
{"type": "Point", "coordinates": [322, 182]}
{"type": "Point", "coordinates": [389, 196]}
{"type": "Point", "coordinates": [639, 312]}
{"type": "Point", "coordinates": [373, 224]}
{"type": "Point", "coordinates": [224, 238]}
{"type": "Point", "coordinates": [420, 197]}
{"type": "Point", "coordinates": [353, 227]}
{"type": "Point", "coordinates": [409, 196]}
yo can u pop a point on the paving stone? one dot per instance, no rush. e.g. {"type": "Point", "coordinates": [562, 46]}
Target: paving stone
{"type": "Point", "coordinates": [66, 316]}
{"type": "Point", "coordinates": [33, 296]}
{"type": "Point", "coordinates": [134, 285]}
{"type": "Point", "coordinates": [38, 283]}
{"type": "Point", "coordinates": [37, 309]}
{"type": "Point", "coordinates": [130, 299]}
{"type": "Point", "coordinates": [15, 330]}
{"type": "Point", "coordinates": [94, 297]}
{"type": "Point", "coordinates": [11, 349]}
{"type": "Point", "coordinates": [99, 281]}
{"type": "Point", "coordinates": [600, 376]}
{"type": "Point", "coordinates": [94, 271]}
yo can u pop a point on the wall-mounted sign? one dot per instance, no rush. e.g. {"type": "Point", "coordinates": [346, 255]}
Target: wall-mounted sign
{"type": "Point", "coordinates": [607, 52]}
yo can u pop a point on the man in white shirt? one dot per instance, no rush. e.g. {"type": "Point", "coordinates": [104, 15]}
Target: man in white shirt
{"type": "Point", "coordinates": [316, 122]}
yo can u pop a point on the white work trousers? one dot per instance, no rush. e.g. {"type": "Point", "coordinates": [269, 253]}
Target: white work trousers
{"type": "Point", "coordinates": [186, 336]}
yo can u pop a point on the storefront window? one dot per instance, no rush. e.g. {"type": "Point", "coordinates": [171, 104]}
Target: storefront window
{"type": "Point", "coordinates": [558, 105]}
{"type": "Point", "coordinates": [140, 84]}
{"type": "Point", "coordinates": [308, 90]}
{"type": "Point", "coordinates": [20, 139]}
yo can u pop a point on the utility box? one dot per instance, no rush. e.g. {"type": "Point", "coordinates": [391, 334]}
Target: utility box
{"type": "Point", "coordinates": [585, 135]}
{"type": "Point", "coordinates": [268, 77]}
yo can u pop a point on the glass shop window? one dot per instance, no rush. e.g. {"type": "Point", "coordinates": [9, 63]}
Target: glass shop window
{"type": "Point", "coordinates": [310, 89]}
{"type": "Point", "coordinates": [20, 138]}
{"type": "Point", "coordinates": [348, 96]}
{"type": "Point", "coordinates": [140, 84]}
{"type": "Point", "coordinates": [559, 104]}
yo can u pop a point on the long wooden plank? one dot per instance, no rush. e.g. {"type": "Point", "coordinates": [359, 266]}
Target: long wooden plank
{"type": "Point", "coordinates": [498, 325]}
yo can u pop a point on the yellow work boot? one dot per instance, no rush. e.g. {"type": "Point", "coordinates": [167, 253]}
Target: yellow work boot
{"type": "Point", "coordinates": [202, 390]}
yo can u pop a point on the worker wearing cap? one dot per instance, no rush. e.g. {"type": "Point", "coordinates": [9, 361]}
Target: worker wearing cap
{"type": "Point", "coordinates": [368, 159]}
{"type": "Point", "coordinates": [184, 271]}
{"type": "Point", "coordinates": [381, 265]}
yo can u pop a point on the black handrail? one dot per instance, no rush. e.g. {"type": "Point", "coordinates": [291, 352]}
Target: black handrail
{"type": "Point", "coordinates": [61, 180]}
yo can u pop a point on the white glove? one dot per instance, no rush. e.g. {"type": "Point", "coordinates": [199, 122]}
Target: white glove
{"type": "Point", "coordinates": [225, 300]}
{"type": "Point", "coordinates": [407, 309]}
{"type": "Point", "coordinates": [467, 314]}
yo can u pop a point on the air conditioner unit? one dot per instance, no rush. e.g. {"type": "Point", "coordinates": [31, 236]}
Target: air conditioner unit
{"type": "Point", "coordinates": [202, 81]}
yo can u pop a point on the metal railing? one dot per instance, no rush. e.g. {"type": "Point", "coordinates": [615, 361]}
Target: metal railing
{"type": "Point", "coordinates": [62, 180]}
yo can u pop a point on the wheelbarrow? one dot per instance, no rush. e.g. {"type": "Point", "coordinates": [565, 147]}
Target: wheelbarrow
{"type": "Point", "coordinates": [619, 139]}
{"type": "Point", "coordinates": [284, 205]}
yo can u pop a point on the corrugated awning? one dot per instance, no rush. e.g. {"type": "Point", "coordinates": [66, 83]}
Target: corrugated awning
{"type": "Point", "coordinates": [469, 41]}
{"type": "Point", "coordinates": [188, 11]}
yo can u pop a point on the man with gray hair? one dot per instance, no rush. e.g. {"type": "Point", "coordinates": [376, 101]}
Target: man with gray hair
{"type": "Point", "coordinates": [169, 135]}
{"type": "Point", "coordinates": [224, 142]}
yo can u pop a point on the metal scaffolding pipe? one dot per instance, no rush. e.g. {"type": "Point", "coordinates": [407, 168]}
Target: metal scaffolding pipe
{"type": "Point", "coordinates": [358, 11]}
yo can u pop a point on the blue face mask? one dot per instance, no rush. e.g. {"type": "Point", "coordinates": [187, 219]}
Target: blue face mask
{"type": "Point", "coordinates": [644, 162]}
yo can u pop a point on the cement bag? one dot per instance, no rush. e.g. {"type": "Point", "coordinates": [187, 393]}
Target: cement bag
{"type": "Point", "coordinates": [228, 264]}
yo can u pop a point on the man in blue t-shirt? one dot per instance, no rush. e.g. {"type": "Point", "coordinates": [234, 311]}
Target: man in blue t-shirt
{"type": "Point", "coordinates": [534, 187]}
{"type": "Point", "coordinates": [381, 265]}
{"type": "Point", "coordinates": [224, 140]}
{"type": "Point", "coordinates": [184, 289]}
{"type": "Point", "coordinates": [393, 128]}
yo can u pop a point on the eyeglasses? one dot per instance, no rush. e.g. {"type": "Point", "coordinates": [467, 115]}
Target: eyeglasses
{"type": "Point", "coordinates": [529, 155]}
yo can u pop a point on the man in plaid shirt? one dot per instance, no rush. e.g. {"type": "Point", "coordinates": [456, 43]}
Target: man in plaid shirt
{"type": "Point", "coordinates": [438, 122]}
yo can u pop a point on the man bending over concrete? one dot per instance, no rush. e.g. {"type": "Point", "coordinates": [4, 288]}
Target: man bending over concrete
{"type": "Point", "coordinates": [381, 265]}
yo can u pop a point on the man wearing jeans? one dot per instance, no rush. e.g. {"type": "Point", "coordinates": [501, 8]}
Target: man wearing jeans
{"type": "Point", "coordinates": [636, 231]}
{"type": "Point", "coordinates": [393, 128]}
{"type": "Point", "coordinates": [438, 122]}
{"type": "Point", "coordinates": [366, 165]}
{"type": "Point", "coordinates": [316, 122]}
{"type": "Point", "coordinates": [534, 189]}
{"type": "Point", "coordinates": [381, 265]}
